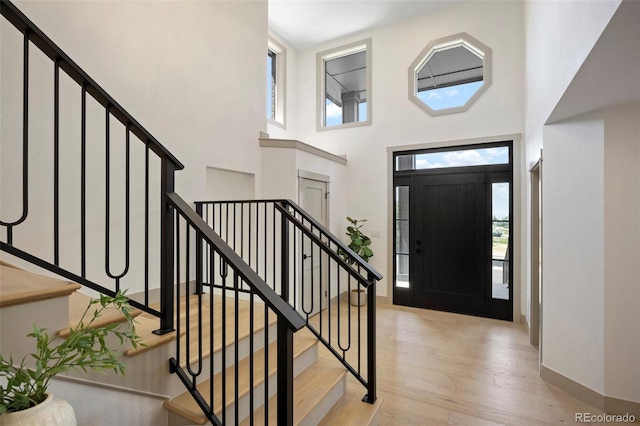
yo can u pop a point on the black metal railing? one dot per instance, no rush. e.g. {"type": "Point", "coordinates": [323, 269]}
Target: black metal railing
{"type": "Point", "coordinates": [127, 148]}
{"type": "Point", "coordinates": [234, 287]}
{"type": "Point", "coordinates": [311, 269]}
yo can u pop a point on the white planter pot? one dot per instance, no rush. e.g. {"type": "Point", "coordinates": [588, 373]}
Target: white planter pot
{"type": "Point", "coordinates": [358, 297]}
{"type": "Point", "coordinates": [51, 411]}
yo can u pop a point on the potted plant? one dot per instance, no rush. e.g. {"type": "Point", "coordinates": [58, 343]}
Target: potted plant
{"type": "Point", "coordinates": [24, 390]}
{"type": "Point", "coordinates": [360, 244]}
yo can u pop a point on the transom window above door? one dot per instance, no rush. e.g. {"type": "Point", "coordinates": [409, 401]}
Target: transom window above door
{"type": "Point", "coordinates": [453, 158]}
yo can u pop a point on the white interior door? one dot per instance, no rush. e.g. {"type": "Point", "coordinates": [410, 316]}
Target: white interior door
{"type": "Point", "coordinates": [313, 198]}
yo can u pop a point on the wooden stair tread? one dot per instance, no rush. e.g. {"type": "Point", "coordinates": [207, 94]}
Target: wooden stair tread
{"type": "Point", "coordinates": [185, 406]}
{"type": "Point", "coordinates": [146, 323]}
{"type": "Point", "coordinates": [145, 326]}
{"type": "Point", "coordinates": [18, 286]}
{"type": "Point", "coordinates": [78, 303]}
{"type": "Point", "coordinates": [351, 410]}
{"type": "Point", "coordinates": [310, 387]}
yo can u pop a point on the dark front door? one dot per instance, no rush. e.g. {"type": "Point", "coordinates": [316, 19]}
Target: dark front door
{"type": "Point", "coordinates": [453, 229]}
{"type": "Point", "coordinates": [450, 249]}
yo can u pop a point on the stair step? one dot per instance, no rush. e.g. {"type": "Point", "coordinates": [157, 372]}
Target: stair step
{"type": "Point", "coordinates": [310, 389]}
{"type": "Point", "coordinates": [20, 286]}
{"type": "Point", "coordinates": [185, 406]}
{"type": "Point", "coordinates": [145, 327]}
{"type": "Point", "coordinates": [78, 302]}
{"type": "Point", "coordinates": [146, 323]}
{"type": "Point", "coordinates": [351, 410]}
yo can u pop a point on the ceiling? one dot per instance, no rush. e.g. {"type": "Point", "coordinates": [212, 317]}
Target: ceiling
{"type": "Point", "coordinates": [609, 75]}
{"type": "Point", "coordinates": [307, 23]}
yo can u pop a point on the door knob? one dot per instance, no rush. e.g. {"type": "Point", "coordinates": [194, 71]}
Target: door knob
{"type": "Point", "coordinates": [305, 256]}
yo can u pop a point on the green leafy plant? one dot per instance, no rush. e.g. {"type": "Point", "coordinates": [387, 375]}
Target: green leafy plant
{"type": "Point", "coordinates": [359, 242]}
{"type": "Point", "coordinates": [85, 349]}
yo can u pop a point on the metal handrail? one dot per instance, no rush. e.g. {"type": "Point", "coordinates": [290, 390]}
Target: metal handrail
{"type": "Point", "coordinates": [234, 273]}
{"type": "Point", "coordinates": [332, 238]}
{"type": "Point", "coordinates": [57, 55]}
{"type": "Point", "coordinates": [269, 235]}
{"type": "Point", "coordinates": [276, 303]}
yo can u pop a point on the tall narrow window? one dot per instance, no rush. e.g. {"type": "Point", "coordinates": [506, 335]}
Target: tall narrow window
{"type": "Point", "coordinates": [276, 84]}
{"type": "Point", "coordinates": [401, 215]}
{"type": "Point", "coordinates": [344, 76]}
{"type": "Point", "coordinates": [500, 222]}
{"type": "Point", "coordinates": [272, 66]}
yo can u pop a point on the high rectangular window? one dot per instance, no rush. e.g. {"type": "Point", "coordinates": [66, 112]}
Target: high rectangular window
{"type": "Point", "coordinates": [344, 95]}
{"type": "Point", "coordinates": [276, 82]}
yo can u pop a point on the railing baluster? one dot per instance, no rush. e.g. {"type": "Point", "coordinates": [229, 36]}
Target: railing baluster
{"type": "Point", "coordinates": [223, 275]}
{"type": "Point", "coordinates": [236, 341]}
{"type": "Point", "coordinates": [266, 364]}
{"type": "Point", "coordinates": [83, 183]}
{"type": "Point", "coordinates": [370, 397]}
{"type": "Point", "coordinates": [107, 192]}
{"type": "Point", "coordinates": [284, 257]}
{"type": "Point", "coordinates": [251, 356]}
{"type": "Point", "coordinates": [212, 340]}
{"type": "Point", "coordinates": [56, 163]}
{"type": "Point", "coordinates": [146, 223]}
{"type": "Point", "coordinates": [25, 141]}
{"type": "Point", "coordinates": [178, 293]}
{"type": "Point", "coordinates": [285, 375]}
{"type": "Point", "coordinates": [199, 255]}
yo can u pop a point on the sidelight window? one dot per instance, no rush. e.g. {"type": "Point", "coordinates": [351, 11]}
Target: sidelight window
{"type": "Point", "coordinates": [500, 230]}
{"type": "Point", "coordinates": [402, 236]}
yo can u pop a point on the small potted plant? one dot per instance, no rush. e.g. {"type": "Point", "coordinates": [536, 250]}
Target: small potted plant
{"type": "Point", "coordinates": [360, 244]}
{"type": "Point", "coordinates": [24, 395]}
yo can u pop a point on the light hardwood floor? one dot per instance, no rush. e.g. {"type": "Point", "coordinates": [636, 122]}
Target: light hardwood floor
{"type": "Point", "coordinates": [437, 368]}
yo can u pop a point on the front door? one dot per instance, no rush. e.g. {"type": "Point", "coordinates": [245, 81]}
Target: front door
{"type": "Point", "coordinates": [449, 242]}
{"type": "Point", "coordinates": [452, 215]}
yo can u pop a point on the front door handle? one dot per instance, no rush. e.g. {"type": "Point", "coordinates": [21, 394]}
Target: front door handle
{"type": "Point", "coordinates": [305, 256]}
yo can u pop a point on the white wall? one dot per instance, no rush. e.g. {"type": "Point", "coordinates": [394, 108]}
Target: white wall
{"type": "Point", "coordinates": [190, 72]}
{"type": "Point", "coordinates": [591, 190]}
{"type": "Point", "coordinates": [108, 405]}
{"type": "Point", "coordinates": [280, 180]}
{"type": "Point", "coordinates": [573, 255]}
{"type": "Point", "coordinates": [622, 252]}
{"type": "Point", "coordinates": [559, 35]}
{"type": "Point", "coordinates": [397, 121]}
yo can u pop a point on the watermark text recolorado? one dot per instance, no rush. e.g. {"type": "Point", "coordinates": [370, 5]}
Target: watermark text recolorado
{"type": "Point", "coordinates": [604, 418]}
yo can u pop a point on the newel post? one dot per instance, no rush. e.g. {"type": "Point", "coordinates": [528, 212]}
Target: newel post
{"type": "Point", "coordinates": [370, 397]}
{"type": "Point", "coordinates": [167, 185]}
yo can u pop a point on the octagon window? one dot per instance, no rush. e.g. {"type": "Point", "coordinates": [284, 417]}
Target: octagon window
{"type": "Point", "coordinates": [450, 74]}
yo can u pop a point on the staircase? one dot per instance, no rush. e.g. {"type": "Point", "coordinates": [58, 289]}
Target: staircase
{"type": "Point", "coordinates": [320, 383]}
{"type": "Point", "coordinates": [250, 335]}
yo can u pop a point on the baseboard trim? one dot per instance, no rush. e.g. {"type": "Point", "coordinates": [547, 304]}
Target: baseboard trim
{"type": "Point", "coordinates": [608, 404]}
{"type": "Point", "coordinates": [116, 388]}
{"type": "Point", "coordinates": [383, 300]}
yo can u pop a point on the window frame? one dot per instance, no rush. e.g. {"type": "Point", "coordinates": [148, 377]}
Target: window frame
{"type": "Point", "coordinates": [281, 83]}
{"type": "Point", "coordinates": [433, 47]}
{"type": "Point", "coordinates": [334, 53]}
